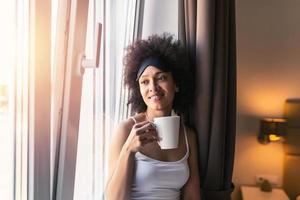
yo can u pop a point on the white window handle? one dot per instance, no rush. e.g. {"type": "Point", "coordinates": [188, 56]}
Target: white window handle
{"type": "Point", "coordinates": [94, 62]}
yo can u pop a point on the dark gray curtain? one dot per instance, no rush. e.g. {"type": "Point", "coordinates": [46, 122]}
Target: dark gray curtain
{"type": "Point", "coordinates": [208, 29]}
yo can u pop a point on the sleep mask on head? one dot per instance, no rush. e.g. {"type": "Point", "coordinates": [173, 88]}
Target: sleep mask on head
{"type": "Point", "coordinates": [152, 61]}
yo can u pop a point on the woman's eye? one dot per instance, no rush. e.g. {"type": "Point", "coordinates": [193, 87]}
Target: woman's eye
{"type": "Point", "coordinates": [143, 82]}
{"type": "Point", "coordinates": [161, 78]}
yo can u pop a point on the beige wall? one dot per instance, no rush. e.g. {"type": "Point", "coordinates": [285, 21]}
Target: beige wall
{"type": "Point", "coordinates": [268, 63]}
{"type": "Point", "coordinates": [165, 18]}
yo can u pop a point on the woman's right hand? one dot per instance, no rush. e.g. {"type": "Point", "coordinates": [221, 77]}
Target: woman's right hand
{"type": "Point", "coordinates": [141, 134]}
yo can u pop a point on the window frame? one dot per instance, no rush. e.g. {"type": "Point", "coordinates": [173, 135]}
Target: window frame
{"type": "Point", "coordinates": [39, 99]}
{"type": "Point", "coordinates": [76, 34]}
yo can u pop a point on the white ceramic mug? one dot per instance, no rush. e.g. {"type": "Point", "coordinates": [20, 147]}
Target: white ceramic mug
{"type": "Point", "coordinates": [168, 131]}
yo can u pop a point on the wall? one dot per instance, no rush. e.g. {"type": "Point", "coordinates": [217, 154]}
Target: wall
{"type": "Point", "coordinates": [164, 20]}
{"type": "Point", "coordinates": [268, 64]}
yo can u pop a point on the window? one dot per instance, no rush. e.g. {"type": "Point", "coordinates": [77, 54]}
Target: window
{"type": "Point", "coordinates": [23, 88]}
{"type": "Point", "coordinates": [7, 106]}
{"type": "Point", "coordinates": [14, 99]}
{"type": "Point", "coordinates": [103, 102]}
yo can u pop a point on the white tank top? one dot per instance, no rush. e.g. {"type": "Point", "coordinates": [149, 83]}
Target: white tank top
{"type": "Point", "coordinates": [159, 180]}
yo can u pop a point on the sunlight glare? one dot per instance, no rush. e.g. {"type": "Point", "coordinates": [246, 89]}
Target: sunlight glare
{"type": "Point", "coordinates": [7, 64]}
{"type": "Point", "coordinates": [7, 40]}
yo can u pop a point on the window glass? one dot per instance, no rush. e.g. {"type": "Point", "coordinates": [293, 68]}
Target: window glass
{"type": "Point", "coordinates": [13, 99]}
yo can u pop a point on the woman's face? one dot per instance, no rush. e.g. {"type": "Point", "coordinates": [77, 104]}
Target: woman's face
{"type": "Point", "coordinates": [157, 88]}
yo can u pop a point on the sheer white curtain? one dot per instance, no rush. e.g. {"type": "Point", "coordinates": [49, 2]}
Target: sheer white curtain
{"type": "Point", "coordinates": [127, 31]}
{"type": "Point", "coordinates": [104, 96]}
{"type": "Point", "coordinates": [112, 105]}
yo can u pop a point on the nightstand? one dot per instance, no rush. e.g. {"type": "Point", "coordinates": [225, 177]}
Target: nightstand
{"type": "Point", "coordinates": [254, 193]}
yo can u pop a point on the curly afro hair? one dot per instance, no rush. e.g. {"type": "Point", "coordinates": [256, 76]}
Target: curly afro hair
{"type": "Point", "coordinates": [173, 53]}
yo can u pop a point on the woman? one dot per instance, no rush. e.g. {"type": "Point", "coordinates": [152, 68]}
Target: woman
{"type": "Point", "coordinates": [156, 73]}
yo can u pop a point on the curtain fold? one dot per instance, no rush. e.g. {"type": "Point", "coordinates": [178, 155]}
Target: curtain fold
{"type": "Point", "coordinates": [208, 31]}
{"type": "Point", "coordinates": [130, 30]}
{"type": "Point", "coordinates": [121, 26]}
{"type": "Point", "coordinates": [120, 20]}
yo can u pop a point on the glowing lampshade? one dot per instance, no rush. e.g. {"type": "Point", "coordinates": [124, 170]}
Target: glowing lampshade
{"type": "Point", "coordinates": [271, 130]}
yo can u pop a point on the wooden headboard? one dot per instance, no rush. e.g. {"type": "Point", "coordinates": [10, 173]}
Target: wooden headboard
{"type": "Point", "coordinates": [291, 176]}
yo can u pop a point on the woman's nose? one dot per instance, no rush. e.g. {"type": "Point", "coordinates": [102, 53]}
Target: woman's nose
{"type": "Point", "coordinates": [153, 86]}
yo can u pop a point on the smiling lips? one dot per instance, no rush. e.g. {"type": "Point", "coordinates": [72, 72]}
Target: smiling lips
{"type": "Point", "coordinates": [156, 97]}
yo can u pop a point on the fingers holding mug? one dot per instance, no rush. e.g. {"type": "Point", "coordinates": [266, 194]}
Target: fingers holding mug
{"type": "Point", "coordinates": [141, 134]}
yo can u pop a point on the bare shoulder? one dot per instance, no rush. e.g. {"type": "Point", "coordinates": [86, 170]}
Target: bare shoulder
{"type": "Point", "coordinates": [123, 129]}
{"type": "Point", "coordinates": [192, 188]}
{"type": "Point", "coordinates": [192, 139]}
{"type": "Point", "coordinates": [119, 138]}
{"type": "Point", "coordinates": [191, 134]}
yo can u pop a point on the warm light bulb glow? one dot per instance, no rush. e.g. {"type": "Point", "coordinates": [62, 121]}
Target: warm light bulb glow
{"type": "Point", "coordinates": [278, 120]}
{"type": "Point", "coordinates": [274, 138]}
{"type": "Point", "coordinates": [256, 101]}
{"type": "Point", "coordinates": [265, 98]}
